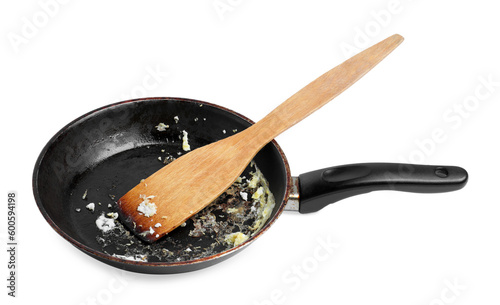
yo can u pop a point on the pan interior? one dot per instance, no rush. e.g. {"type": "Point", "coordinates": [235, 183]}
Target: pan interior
{"type": "Point", "coordinates": [97, 158]}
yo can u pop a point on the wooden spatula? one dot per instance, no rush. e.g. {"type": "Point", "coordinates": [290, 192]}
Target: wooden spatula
{"type": "Point", "coordinates": [170, 196]}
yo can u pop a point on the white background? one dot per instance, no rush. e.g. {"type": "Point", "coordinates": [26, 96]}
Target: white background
{"type": "Point", "coordinates": [61, 60]}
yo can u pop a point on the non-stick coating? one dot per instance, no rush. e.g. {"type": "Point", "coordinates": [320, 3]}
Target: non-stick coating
{"type": "Point", "coordinates": [109, 150]}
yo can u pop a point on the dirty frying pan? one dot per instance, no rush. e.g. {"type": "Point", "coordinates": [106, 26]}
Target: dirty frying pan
{"type": "Point", "coordinates": [94, 160]}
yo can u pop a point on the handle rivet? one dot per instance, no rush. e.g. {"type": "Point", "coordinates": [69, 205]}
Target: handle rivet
{"type": "Point", "coordinates": [441, 172]}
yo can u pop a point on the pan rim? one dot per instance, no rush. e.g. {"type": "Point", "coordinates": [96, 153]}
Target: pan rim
{"type": "Point", "coordinates": [93, 252]}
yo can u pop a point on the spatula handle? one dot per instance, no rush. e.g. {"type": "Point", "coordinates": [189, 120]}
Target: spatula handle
{"type": "Point", "coordinates": [322, 90]}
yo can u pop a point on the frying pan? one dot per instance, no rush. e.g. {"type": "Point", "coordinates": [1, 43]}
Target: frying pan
{"type": "Point", "coordinates": [109, 150]}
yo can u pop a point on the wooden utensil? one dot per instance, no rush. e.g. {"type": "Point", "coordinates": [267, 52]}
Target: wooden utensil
{"type": "Point", "coordinates": [170, 196]}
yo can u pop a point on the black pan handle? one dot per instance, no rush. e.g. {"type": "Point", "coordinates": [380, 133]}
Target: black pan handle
{"type": "Point", "coordinates": [319, 188]}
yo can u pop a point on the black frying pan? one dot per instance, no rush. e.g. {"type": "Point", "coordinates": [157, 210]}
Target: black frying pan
{"type": "Point", "coordinates": [109, 150]}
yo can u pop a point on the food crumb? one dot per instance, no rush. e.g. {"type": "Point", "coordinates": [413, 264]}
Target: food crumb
{"type": "Point", "coordinates": [146, 207]}
{"type": "Point", "coordinates": [161, 127]}
{"type": "Point", "coordinates": [136, 258]}
{"type": "Point", "coordinates": [258, 193]}
{"type": "Point", "coordinates": [232, 210]}
{"type": "Point", "coordinates": [90, 206]}
{"type": "Point", "coordinates": [105, 224]}
{"type": "Point", "coordinates": [185, 143]}
{"type": "Point", "coordinates": [176, 119]}
{"type": "Point", "coordinates": [84, 195]}
{"type": "Point", "coordinates": [236, 238]}
{"type": "Point", "coordinates": [244, 196]}
{"type": "Point", "coordinates": [112, 215]}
